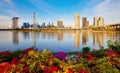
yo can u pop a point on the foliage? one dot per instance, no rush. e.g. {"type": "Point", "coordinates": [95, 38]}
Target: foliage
{"type": "Point", "coordinates": [85, 50]}
{"type": "Point", "coordinates": [114, 45]}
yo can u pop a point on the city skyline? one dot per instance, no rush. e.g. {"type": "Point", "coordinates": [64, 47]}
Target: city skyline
{"type": "Point", "coordinates": [53, 10]}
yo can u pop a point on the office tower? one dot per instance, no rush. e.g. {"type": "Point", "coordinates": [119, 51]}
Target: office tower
{"type": "Point", "coordinates": [85, 24]}
{"type": "Point", "coordinates": [95, 22]}
{"type": "Point", "coordinates": [77, 21]}
{"type": "Point", "coordinates": [60, 24]}
{"type": "Point", "coordinates": [101, 21]}
{"type": "Point", "coordinates": [15, 22]}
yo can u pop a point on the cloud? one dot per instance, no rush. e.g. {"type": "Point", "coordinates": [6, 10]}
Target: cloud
{"type": "Point", "coordinates": [109, 9]}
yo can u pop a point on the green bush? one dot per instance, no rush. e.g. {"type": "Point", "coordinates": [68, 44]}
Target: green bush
{"type": "Point", "coordinates": [85, 50]}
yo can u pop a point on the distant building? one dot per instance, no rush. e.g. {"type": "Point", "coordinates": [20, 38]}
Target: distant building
{"type": "Point", "coordinates": [85, 22]}
{"type": "Point", "coordinates": [15, 22]}
{"type": "Point", "coordinates": [95, 22]}
{"type": "Point", "coordinates": [60, 24]}
{"type": "Point", "coordinates": [26, 25]}
{"type": "Point", "coordinates": [77, 21]}
{"type": "Point", "coordinates": [98, 21]}
{"type": "Point", "coordinates": [101, 21]}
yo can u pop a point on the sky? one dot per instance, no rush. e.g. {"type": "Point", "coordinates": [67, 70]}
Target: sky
{"type": "Point", "coordinates": [53, 10]}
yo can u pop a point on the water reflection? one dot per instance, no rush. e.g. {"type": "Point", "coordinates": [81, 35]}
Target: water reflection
{"type": "Point", "coordinates": [76, 38]}
{"type": "Point", "coordinates": [59, 35]}
{"type": "Point", "coordinates": [84, 37]}
{"type": "Point", "coordinates": [15, 37]}
{"type": "Point", "coordinates": [98, 38]}
{"type": "Point", "coordinates": [55, 41]}
{"type": "Point", "coordinates": [26, 35]}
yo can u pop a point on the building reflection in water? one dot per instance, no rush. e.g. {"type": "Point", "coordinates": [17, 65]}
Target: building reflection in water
{"type": "Point", "coordinates": [60, 35]}
{"type": "Point", "coordinates": [26, 35]}
{"type": "Point", "coordinates": [15, 37]}
{"type": "Point", "coordinates": [84, 37]}
{"type": "Point", "coordinates": [76, 39]}
{"type": "Point", "coordinates": [98, 38]}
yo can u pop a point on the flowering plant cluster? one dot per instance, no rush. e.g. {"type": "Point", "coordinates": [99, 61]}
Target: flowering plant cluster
{"type": "Point", "coordinates": [31, 61]}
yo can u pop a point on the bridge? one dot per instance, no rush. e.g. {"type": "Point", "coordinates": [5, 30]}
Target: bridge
{"type": "Point", "coordinates": [113, 27]}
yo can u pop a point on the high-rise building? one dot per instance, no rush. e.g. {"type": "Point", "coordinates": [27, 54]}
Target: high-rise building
{"type": "Point", "coordinates": [98, 21]}
{"type": "Point", "coordinates": [101, 21]}
{"type": "Point", "coordinates": [95, 22]}
{"type": "Point", "coordinates": [15, 22]}
{"type": "Point", "coordinates": [85, 24]}
{"type": "Point", "coordinates": [77, 21]}
{"type": "Point", "coordinates": [60, 24]}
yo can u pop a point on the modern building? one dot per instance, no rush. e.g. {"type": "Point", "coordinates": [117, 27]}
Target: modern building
{"type": "Point", "coordinates": [60, 24]}
{"type": "Point", "coordinates": [98, 21]}
{"type": "Point", "coordinates": [95, 22]}
{"type": "Point", "coordinates": [26, 25]}
{"type": "Point", "coordinates": [101, 21]}
{"type": "Point", "coordinates": [85, 22]}
{"type": "Point", "coordinates": [15, 22]}
{"type": "Point", "coordinates": [77, 21]}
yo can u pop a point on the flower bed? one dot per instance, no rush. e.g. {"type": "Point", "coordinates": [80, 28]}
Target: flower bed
{"type": "Point", "coordinates": [32, 61]}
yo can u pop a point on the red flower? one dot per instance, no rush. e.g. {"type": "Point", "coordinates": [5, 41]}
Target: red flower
{"type": "Point", "coordinates": [17, 70]}
{"type": "Point", "coordinates": [8, 67]}
{"type": "Point", "coordinates": [79, 54]}
{"type": "Point", "coordinates": [70, 71]}
{"type": "Point", "coordinates": [111, 61]}
{"type": "Point", "coordinates": [96, 70]}
{"type": "Point", "coordinates": [54, 68]}
{"type": "Point", "coordinates": [46, 70]}
{"type": "Point", "coordinates": [111, 53]}
{"type": "Point", "coordinates": [28, 49]}
{"type": "Point", "coordinates": [88, 57]}
{"type": "Point", "coordinates": [14, 61]}
{"type": "Point", "coordinates": [2, 68]}
{"type": "Point", "coordinates": [25, 69]}
{"type": "Point", "coordinates": [4, 53]}
{"type": "Point", "coordinates": [83, 71]}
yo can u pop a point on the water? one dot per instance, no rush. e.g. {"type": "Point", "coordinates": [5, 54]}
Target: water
{"type": "Point", "coordinates": [55, 41]}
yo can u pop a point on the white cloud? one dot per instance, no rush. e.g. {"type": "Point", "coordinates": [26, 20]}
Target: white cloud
{"type": "Point", "coordinates": [109, 9]}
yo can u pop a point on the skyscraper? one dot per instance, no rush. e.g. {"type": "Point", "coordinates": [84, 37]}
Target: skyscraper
{"type": "Point", "coordinates": [15, 22]}
{"type": "Point", "coordinates": [60, 24]}
{"type": "Point", "coordinates": [101, 21]}
{"type": "Point", "coordinates": [98, 21]}
{"type": "Point", "coordinates": [85, 23]}
{"type": "Point", "coordinates": [95, 22]}
{"type": "Point", "coordinates": [77, 21]}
